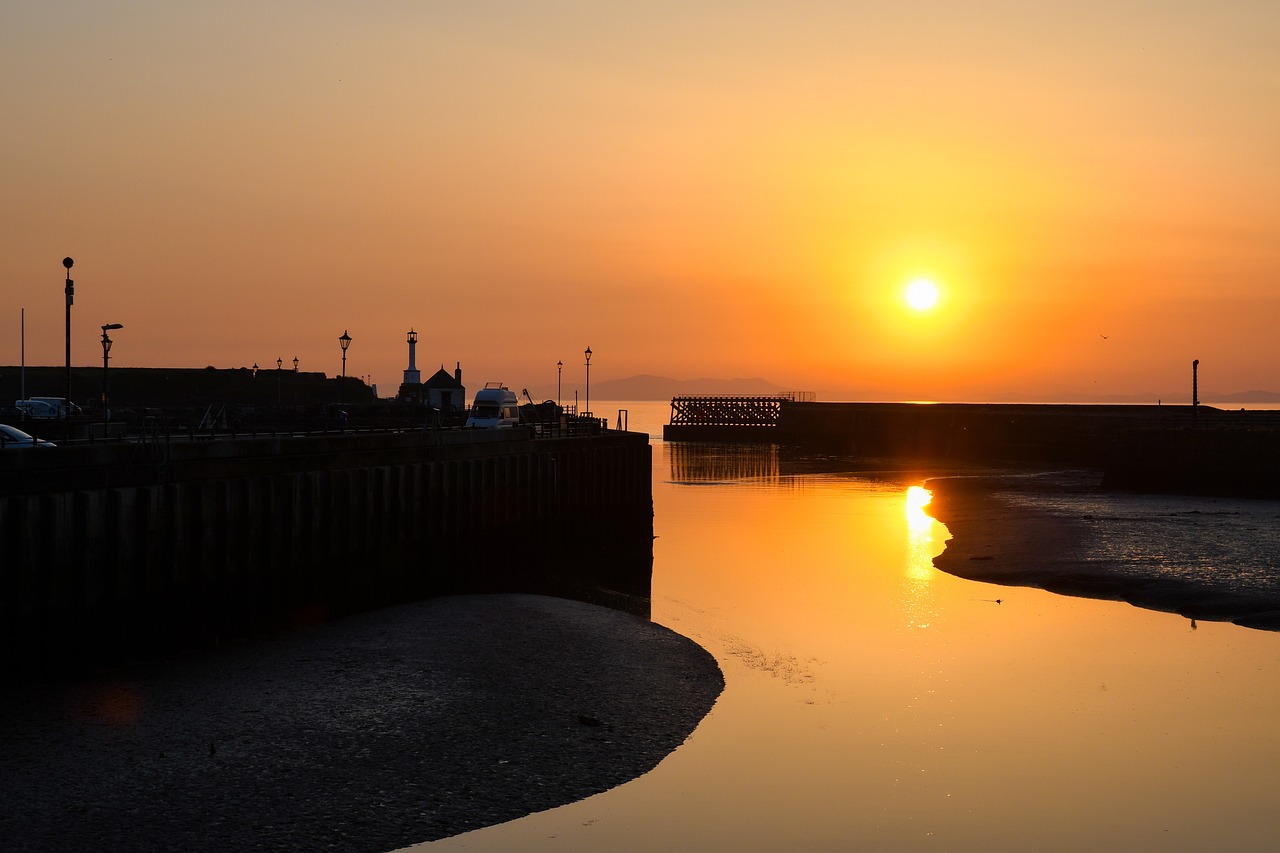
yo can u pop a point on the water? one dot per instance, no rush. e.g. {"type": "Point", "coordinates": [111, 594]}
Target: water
{"type": "Point", "coordinates": [875, 703]}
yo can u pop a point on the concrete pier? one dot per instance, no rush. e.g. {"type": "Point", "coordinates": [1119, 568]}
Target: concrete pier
{"type": "Point", "coordinates": [1199, 450]}
{"type": "Point", "coordinates": [110, 548]}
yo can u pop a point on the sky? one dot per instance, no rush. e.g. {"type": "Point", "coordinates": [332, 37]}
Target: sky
{"type": "Point", "coordinates": [720, 189]}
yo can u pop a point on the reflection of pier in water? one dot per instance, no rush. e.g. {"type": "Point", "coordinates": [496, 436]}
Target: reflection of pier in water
{"type": "Point", "coordinates": [716, 463]}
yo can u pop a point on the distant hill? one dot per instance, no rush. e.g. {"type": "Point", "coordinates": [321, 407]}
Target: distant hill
{"type": "Point", "coordinates": [1247, 397]}
{"type": "Point", "coordinates": [646, 387]}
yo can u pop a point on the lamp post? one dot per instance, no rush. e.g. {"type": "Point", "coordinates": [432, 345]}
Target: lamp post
{"type": "Point", "coordinates": [588, 354]}
{"type": "Point", "coordinates": [255, 370]}
{"type": "Point", "coordinates": [344, 342]}
{"type": "Point", "coordinates": [559, 374]}
{"type": "Point", "coordinates": [70, 291]}
{"type": "Point", "coordinates": [295, 364]}
{"type": "Point", "coordinates": [106, 356]}
{"type": "Point", "coordinates": [279, 370]}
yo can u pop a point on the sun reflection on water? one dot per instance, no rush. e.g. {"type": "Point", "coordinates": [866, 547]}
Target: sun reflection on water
{"type": "Point", "coordinates": [917, 596]}
{"type": "Point", "coordinates": [919, 534]}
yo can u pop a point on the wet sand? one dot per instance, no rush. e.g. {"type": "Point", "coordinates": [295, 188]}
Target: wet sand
{"type": "Point", "coordinates": [1000, 536]}
{"type": "Point", "coordinates": [373, 733]}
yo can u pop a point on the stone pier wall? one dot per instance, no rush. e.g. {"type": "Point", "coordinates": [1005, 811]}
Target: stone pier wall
{"type": "Point", "coordinates": [118, 547]}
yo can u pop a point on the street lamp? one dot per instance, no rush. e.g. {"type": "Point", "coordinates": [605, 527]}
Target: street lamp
{"type": "Point", "coordinates": [279, 369]}
{"type": "Point", "coordinates": [588, 354]}
{"type": "Point", "coordinates": [255, 370]}
{"type": "Point", "coordinates": [106, 355]}
{"type": "Point", "coordinates": [70, 290]}
{"type": "Point", "coordinates": [295, 364]}
{"type": "Point", "coordinates": [344, 342]}
{"type": "Point", "coordinates": [559, 373]}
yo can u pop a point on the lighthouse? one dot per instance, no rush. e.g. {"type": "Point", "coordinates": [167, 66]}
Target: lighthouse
{"type": "Point", "coordinates": [411, 388]}
{"type": "Point", "coordinates": [411, 374]}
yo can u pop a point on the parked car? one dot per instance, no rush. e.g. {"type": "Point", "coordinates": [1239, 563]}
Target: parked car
{"type": "Point", "coordinates": [12, 438]}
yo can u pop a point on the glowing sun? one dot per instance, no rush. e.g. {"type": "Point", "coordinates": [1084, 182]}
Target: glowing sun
{"type": "Point", "coordinates": [921, 294]}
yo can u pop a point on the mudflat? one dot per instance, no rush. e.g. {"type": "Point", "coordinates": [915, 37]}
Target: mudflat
{"type": "Point", "coordinates": [1059, 531]}
{"type": "Point", "coordinates": [372, 733]}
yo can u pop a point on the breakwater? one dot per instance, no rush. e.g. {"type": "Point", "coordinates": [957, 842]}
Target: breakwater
{"type": "Point", "coordinates": [114, 547]}
{"type": "Point", "coordinates": [1200, 450]}
{"type": "Point", "coordinates": [1079, 435]}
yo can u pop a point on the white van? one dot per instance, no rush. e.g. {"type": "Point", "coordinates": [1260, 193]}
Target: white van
{"type": "Point", "coordinates": [495, 405]}
{"type": "Point", "coordinates": [46, 407]}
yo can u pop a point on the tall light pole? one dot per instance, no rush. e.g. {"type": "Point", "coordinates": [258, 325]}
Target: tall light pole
{"type": "Point", "coordinates": [106, 355]}
{"type": "Point", "coordinates": [1195, 389]}
{"type": "Point", "coordinates": [559, 374]}
{"type": "Point", "coordinates": [71, 297]}
{"type": "Point", "coordinates": [279, 370]}
{"type": "Point", "coordinates": [295, 364]}
{"type": "Point", "coordinates": [588, 354]}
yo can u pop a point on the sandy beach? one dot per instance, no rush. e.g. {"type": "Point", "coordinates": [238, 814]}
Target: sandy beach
{"type": "Point", "coordinates": [371, 733]}
{"type": "Point", "coordinates": [1060, 532]}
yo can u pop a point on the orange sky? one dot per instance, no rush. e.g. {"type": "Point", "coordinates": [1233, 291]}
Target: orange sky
{"type": "Point", "coordinates": [734, 190]}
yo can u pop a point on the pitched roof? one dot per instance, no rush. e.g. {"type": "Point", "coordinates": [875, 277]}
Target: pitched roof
{"type": "Point", "coordinates": [442, 379]}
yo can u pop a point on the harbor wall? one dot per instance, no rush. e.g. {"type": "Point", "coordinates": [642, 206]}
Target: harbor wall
{"type": "Point", "coordinates": [1080, 435]}
{"type": "Point", "coordinates": [112, 548]}
{"type": "Point", "coordinates": [1179, 448]}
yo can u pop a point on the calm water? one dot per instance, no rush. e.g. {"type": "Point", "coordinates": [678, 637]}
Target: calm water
{"type": "Point", "coordinates": [875, 703]}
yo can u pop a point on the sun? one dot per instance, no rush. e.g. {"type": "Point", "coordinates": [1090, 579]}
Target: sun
{"type": "Point", "coordinates": [921, 294]}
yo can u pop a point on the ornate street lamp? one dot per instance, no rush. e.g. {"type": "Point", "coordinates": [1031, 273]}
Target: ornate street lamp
{"type": "Point", "coordinates": [255, 370]}
{"type": "Point", "coordinates": [279, 370]}
{"type": "Point", "coordinates": [106, 355]}
{"type": "Point", "coordinates": [588, 354]}
{"type": "Point", "coordinates": [295, 364]}
{"type": "Point", "coordinates": [344, 342]}
{"type": "Point", "coordinates": [559, 373]}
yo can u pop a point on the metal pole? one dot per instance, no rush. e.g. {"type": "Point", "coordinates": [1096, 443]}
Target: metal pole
{"type": "Point", "coordinates": [559, 374]}
{"type": "Point", "coordinates": [70, 291]}
{"type": "Point", "coordinates": [588, 354]}
{"type": "Point", "coordinates": [22, 382]}
{"type": "Point", "coordinates": [106, 350]}
{"type": "Point", "coordinates": [1195, 388]}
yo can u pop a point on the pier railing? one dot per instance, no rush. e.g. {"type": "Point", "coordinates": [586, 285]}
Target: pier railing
{"type": "Point", "coordinates": [155, 432]}
{"type": "Point", "coordinates": [724, 410]}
